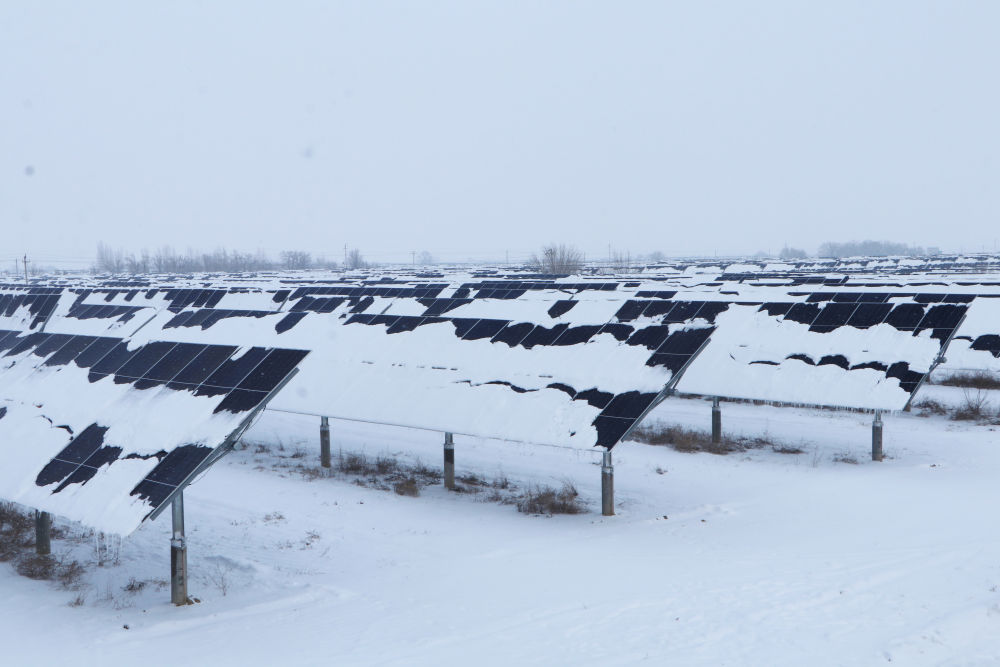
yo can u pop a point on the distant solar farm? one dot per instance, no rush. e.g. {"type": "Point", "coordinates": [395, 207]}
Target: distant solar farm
{"type": "Point", "coordinates": [118, 392]}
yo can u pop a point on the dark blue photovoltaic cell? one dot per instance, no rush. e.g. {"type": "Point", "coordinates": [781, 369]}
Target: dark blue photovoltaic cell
{"type": "Point", "coordinates": [232, 372]}
{"type": "Point", "coordinates": [905, 316]}
{"type": "Point", "coordinates": [140, 362]}
{"type": "Point", "coordinates": [70, 350]}
{"type": "Point", "coordinates": [95, 352]}
{"type": "Point", "coordinates": [835, 314]}
{"type": "Point", "coordinates": [172, 363]}
{"type": "Point", "coordinates": [869, 314]}
{"type": "Point", "coordinates": [942, 317]}
{"type": "Point", "coordinates": [272, 370]}
{"type": "Point", "coordinates": [513, 334]}
{"type": "Point", "coordinates": [202, 366]}
{"type": "Point", "coordinates": [485, 329]}
{"type": "Point", "coordinates": [804, 313]}
{"type": "Point", "coordinates": [51, 344]}
{"type": "Point", "coordinates": [542, 335]}
{"type": "Point", "coordinates": [683, 311]}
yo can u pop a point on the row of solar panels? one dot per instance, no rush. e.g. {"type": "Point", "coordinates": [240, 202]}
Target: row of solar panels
{"type": "Point", "coordinates": [565, 366]}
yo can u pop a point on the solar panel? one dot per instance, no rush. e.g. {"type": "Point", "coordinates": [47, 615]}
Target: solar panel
{"type": "Point", "coordinates": [845, 352]}
{"type": "Point", "coordinates": [112, 432]}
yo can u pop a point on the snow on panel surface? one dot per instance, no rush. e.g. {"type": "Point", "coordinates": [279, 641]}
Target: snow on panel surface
{"type": "Point", "coordinates": [102, 431]}
{"type": "Point", "coordinates": [566, 365]}
{"type": "Point", "coordinates": [869, 354]}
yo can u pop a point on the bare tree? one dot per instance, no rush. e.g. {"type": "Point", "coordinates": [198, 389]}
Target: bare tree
{"type": "Point", "coordinates": [296, 259]}
{"type": "Point", "coordinates": [867, 249]}
{"type": "Point", "coordinates": [110, 259]}
{"type": "Point", "coordinates": [620, 259]}
{"type": "Point", "coordinates": [425, 258]}
{"type": "Point", "coordinates": [355, 260]}
{"type": "Point", "coordinates": [557, 258]}
{"type": "Point", "coordinates": [792, 253]}
{"type": "Point", "coordinates": [168, 260]}
{"type": "Point", "coordinates": [656, 256]}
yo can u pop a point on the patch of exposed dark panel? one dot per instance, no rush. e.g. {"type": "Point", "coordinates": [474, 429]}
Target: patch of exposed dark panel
{"type": "Point", "coordinates": [485, 329]}
{"type": "Point", "coordinates": [655, 294]}
{"type": "Point", "coordinates": [803, 313]}
{"type": "Point", "coordinates": [673, 362]}
{"type": "Point", "coordinates": [561, 307]}
{"type": "Point", "coordinates": [988, 343]}
{"type": "Point", "coordinates": [577, 335]}
{"type": "Point", "coordinates": [942, 317]}
{"type": "Point", "coordinates": [621, 332]}
{"type": "Point", "coordinates": [629, 405]}
{"type": "Point", "coordinates": [170, 473]}
{"type": "Point", "coordinates": [873, 365]}
{"type": "Point", "coordinates": [802, 357]}
{"type": "Point", "coordinates": [555, 385]}
{"type": "Point", "coordinates": [686, 341]}
{"type": "Point", "coordinates": [776, 309]}
{"type": "Point", "coordinates": [908, 379]}
{"type": "Point", "coordinates": [594, 397]}
{"type": "Point", "coordinates": [834, 359]}
{"type": "Point", "coordinates": [631, 310]}
{"type": "Point", "coordinates": [513, 334]}
{"type": "Point", "coordinates": [611, 429]}
{"type": "Point", "coordinates": [288, 321]}
{"type": "Point", "coordinates": [518, 390]}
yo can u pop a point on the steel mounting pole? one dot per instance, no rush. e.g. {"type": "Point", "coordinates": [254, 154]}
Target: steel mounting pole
{"type": "Point", "coordinates": [607, 485]}
{"type": "Point", "coordinates": [324, 442]}
{"type": "Point", "coordinates": [877, 436]}
{"type": "Point", "coordinates": [43, 543]}
{"type": "Point", "coordinates": [716, 421]}
{"type": "Point", "coordinates": [178, 554]}
{"type": "Point", "coordinates": [449, 461]}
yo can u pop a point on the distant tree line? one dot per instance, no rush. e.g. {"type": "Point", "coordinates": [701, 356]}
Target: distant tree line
{"type": "Point", "coordinates": [167, 260]}
{"type": "Point", "coordinates": [557, 258]}
{"type": "Point", "coordinates": [867, 249]}
{"type": "Point", "coordinates": [788, 252]}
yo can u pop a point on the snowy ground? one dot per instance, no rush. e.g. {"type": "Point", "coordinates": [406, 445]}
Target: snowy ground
{"type": "Point", "coordinates": [757, 558]}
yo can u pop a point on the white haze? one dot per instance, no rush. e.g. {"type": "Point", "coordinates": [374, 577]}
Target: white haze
{"type": "Point", "coordinates": [477, 129]}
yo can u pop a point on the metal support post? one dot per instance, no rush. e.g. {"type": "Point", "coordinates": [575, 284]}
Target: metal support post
{"type": "Point", "coordinates": [43, 522]}
{"type": "Point", "coordinates": [178, 555]}
{"type": "Point", "coordinates": [607, 485]}
{"type": "Point", "coordinates": [324, 442]}
{"type": "Point", "coordinates": [716, 421]}
{"type": "Point", "coordinates": [449, 461]}
{"type": "Point", "coordinates": [877, 436]}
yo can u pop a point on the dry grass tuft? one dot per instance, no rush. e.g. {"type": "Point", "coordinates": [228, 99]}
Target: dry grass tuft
{"type": "Point", "coordinates": [929, 407]}
{"type": "Point", "coordinates": [547, 500]}
{"type": "Point", "coordinates": [972, 380]}
{"type": "Point", "coordinates": [973, 408]}
{"type": "Point", "coordinates": [407, 487]}
{"type": "Point", "coordinates": [691, 440]}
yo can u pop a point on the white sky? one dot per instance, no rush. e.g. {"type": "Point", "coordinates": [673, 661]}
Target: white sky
{"type": "Point", "coordinates": [469, 129]}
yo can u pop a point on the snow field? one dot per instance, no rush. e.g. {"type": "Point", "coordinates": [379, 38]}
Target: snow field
{"type": "Point", "coordinates": [763, 559]}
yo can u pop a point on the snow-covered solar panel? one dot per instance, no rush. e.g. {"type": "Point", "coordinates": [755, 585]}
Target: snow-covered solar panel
{"type": "Point", "coordinates": [104, 430]}
{"type": "Point", "coordinates": [27, 308]}
{"type": "Point", "coordinates": [976, 345]}
{"type": "Point", "coordinates": [554, 365]}
{"type": "Point", "coordinates": [842, 349]}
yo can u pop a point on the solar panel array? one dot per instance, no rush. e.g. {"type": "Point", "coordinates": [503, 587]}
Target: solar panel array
{"type": "Point", "coordinates": [104, 429]}
{"type": "Point", "coordinates": [131, 386]}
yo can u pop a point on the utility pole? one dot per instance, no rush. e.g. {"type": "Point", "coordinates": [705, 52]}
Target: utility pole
{"type": "Point", "coordinates": [26, 268]}
{"type": "Point", "coordinates": [413, 256]}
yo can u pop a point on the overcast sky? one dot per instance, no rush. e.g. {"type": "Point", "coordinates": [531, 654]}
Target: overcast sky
{"type": "Point", "coordinates": [471, 129]}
